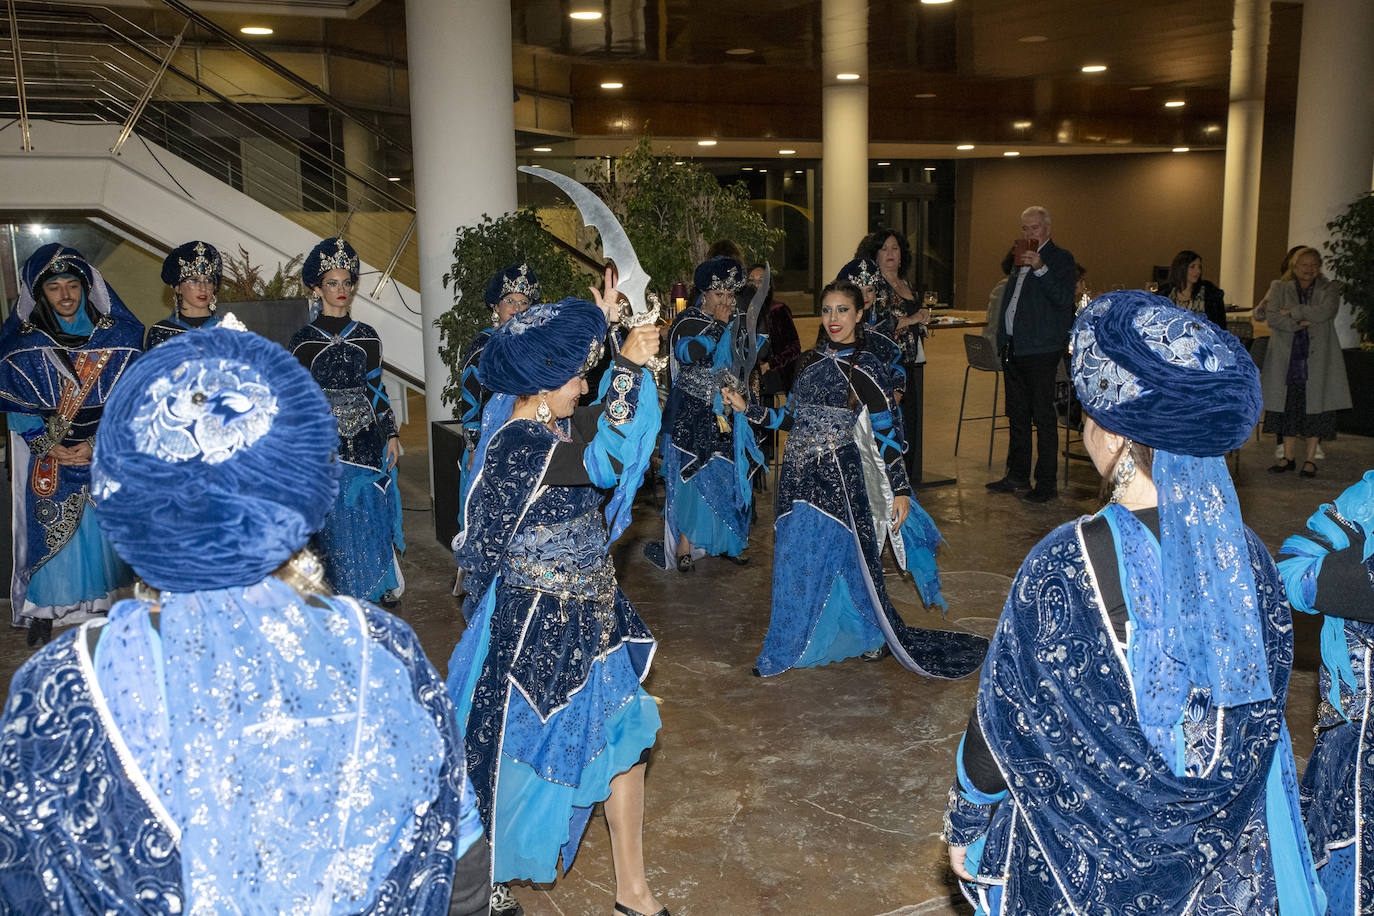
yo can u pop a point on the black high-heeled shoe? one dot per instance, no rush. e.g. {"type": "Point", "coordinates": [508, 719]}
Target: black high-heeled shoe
{"type": "Point", "coordinates": [626, 911]}
{"type": "Point", "coordinates": [1305, 472]}
{"type": "Point", "coordinates": [40, 631]}
{"type": "Point", "coordinates": [1285, 464]}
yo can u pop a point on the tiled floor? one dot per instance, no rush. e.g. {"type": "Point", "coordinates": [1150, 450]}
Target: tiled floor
{"type": "Point", "coordinates": [820, 791]}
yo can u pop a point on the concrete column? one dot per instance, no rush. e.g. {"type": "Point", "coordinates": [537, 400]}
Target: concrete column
{"type": "Point", "coordinates": [462, 126]}
{"type": "Point", "coordinates": [844, 132]}
{"type": "Point", "coordinates": [1244, 144]}
{"type": "Point", "coordinates": [1333, 146]}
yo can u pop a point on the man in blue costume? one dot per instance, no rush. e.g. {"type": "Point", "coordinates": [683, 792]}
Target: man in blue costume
{"type": "Point", "coordinates": [1128, 752]}
{"type": "Point", "coordinates": [62, 349]}
{"type": "Point", "coordinates": [1329, 570]}
{"type": "Point", "coordinates": [236, 739]}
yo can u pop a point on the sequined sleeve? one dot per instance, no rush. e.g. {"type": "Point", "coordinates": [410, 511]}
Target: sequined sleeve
{"type": "Point", "coordinates": [595, 455]}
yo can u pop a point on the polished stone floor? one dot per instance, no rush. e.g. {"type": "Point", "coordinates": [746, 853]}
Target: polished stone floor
{"type": "Point", "coordinates": [820, 791]}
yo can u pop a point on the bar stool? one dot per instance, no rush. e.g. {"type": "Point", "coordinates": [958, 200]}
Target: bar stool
{"type": "Point", "coordinates": [983, 357]}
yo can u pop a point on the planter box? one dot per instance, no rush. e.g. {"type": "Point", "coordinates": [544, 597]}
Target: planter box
{"type": "Point", "coordinates": [445, 450]}
{"type": "Point", "coordinates": [1359, 370]}
{"type": "Point", "coordinates": [275, 319]}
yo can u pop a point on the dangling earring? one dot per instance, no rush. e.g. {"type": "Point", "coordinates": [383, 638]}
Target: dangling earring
{"type": "Point", "coordinates": [176, 302]}
{"type": "Point", "coordinates": [213, 300]}
{"type": "Point", "coordinates": [1123, 474]}
{"type": "Point", "coordinates": [542, 412]}
{"type": "Point", "coordinates": [495, 319]}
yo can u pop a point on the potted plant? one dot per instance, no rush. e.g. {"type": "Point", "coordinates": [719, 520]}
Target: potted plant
{"type": "Point", "coordinates": [1351, 260]}
{"type": "Point", "coordinates": [274, 306]}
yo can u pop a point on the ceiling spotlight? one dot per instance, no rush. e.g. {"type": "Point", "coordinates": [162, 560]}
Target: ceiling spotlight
{"type": "Point", "coordinates": [747, 168]}
{"type": "Point", "coordinates": [1032, 39]}
{"type": "Point", "coordinates": [679, 162]}
{"type": "Point", "coordinates": [1094, 68]}
{"type": "Point", "coordinates": [1011, 153]}
{"type": "Point", "coordinates": [884, 163]}
{"type": "Point", "coordinates": [740, 52]}
{"type": "Point", "coordinates": [964, 146]}
{"type": "Point", "coordinates": [929, 168]}
{"type": "Point", "coordinates": [846, 76]}
{"type": "Point", "coordinates": [1021, 125]}
{"type": "Point", "coordinates": [585, 15]}
{"type": "Point", "coordinates": [797, 172]}
{"type": "Point", "coordinates": [763, 170]}
{"type": "Point", "coordinates": [706, 143]}
{"type": "Point", "coordinates": [393, 179]}
{"type": "Point", "coordinates": [1180, 149]}
{"type": "Point", "coordinates": [936, 2]}
{"type": "Point", "coordinates": [256, 30]}
{"type": "Point", "coordinates": [787, 152]}
{"type": "Point", "coordinates": [1212, 128]}
{"type": "Point", "coordinates": [1176, 103]}
{"type": "Point", "coordinates": [543, 149]}
{"type": "Point", "coordinates": [612, 85]}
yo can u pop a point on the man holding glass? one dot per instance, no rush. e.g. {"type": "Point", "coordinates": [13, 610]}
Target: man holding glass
{"type": "Point", "coordinates": [1032, 335]}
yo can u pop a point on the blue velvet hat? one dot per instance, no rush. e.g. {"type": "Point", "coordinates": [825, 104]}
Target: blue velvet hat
{"type": "Point", "coordinates": [543, 347]}
{"type": "Point", "coordinates": [862, 272]}
{"type": "Point", "coordinates": [720, 273]}
{"type": "Point", "coordinates": [518, 278]}
{"type": "Point", "coordinates": [193, 259]}
{"type": "Point", "coordinates": [1165, 377]}
{"type": "Point", "coordinates": [55, 260]}
{"type": "Point", "coordinates": [214, 461]}
{"type": "Point", "coordinates": [329, 254]}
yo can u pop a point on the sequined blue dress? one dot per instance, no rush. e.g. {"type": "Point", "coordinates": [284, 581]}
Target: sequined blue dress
{"type": "Point", "coordinates": [361, 537]}
{"type": "Point", "coordinates": [64, 567]}
{"type": "Point", "coordinates": [546, 679]}
{"type": "Point", "coordinates": [705, 472]}
{"type": "Point", "coordinates": [101, 809]}
{"type": "Point", "coordinates": [829, 596]}
{"type": "Point", "coordinates": [1093, 819]}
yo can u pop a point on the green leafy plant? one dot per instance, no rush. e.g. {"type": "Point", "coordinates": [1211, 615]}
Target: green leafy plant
{"type": "Point", "coordinates": [1351, 261]}
{"type": "Point", "coordinates": [673, 210]}
{"type": "Point", "coordinates": [245, 282]}
{"type": "Point", "coordinates": [481, 251]}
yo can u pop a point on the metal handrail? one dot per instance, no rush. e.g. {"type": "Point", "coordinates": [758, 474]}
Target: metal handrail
{"type": "Point", "coordinates": [25, 138]}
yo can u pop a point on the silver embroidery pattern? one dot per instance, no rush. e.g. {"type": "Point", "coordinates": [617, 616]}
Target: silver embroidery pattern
{"type": "Point", "coordinates": [207, 409]}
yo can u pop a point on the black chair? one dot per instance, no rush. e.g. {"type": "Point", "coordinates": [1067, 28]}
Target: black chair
{"type": "Point", "coordinates": [983, 357]}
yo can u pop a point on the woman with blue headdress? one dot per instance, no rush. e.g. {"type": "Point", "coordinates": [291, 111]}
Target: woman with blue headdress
{"type": "Point", "coordinates": [508, 293]}
{"type": "Point", "coordinates": [878, 326]}
{"type": "Point", "coordinates": [235, 739]}
{"type": "Point", "coordinates": [546, 678]}
{"type": "Point", "coordinates": [362, 536]}
{"type": "Point", "coordinates": [842, 495]}
{"type": "Point", "coordinates": [1128, 752]}
{"type": "Point", "coordinates": [62, 349]}
{"type": "Point", "coordinates": [708, 457]}
{"type": "Point", "coordinates": [1329, 569]}
{"type": "Point", "coordinates": [194, 272]}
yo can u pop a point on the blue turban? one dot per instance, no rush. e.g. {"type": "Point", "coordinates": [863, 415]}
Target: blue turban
{"type": "Point", "coordinates": [214, 461]}
{"type": "Point", "coordinates": [1167, 378]}
{"type": "Point", "coordinates": [862, 272]}
{"type": "Point", "coordinates": [719, 273]}
{"type": "Point", "coordinates": [193, 259]}
{"type": "Point", "coordinates": [543, 347]}
{"type": "Point", "coordinates": [518, 278]}
{"type": "Point", "coordinates": [329, 254]}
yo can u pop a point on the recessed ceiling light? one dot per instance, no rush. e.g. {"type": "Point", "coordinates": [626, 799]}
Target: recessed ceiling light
{"type": "Point", "coordinates": [846, 76]}
{"type": "Point", "coordinates": [612, 85]}
{"type": "Point", "coordinates": [679, 162]}
{"type": "Point", "coordinates": [1021, 125]}
{"type": "Point", "coordinates": [1011, 153]}
{"type": "Point", "coordinates": [543, 149]}
{"type": "Point", "coordinates": [763, 170]}
{"type": "Point", "coordinates": [787, 152]}
{"type": "Point", "coordinates": [1094, 68]}
{"type": "Point", "coordinates": [747, 168]}
{"type": "Point", "coordinates": [884, 163]}
{"type": "Point", "coordinates": [1032, 39]}
{"type": "Point", "coordinates": [1212, 128]}
{"type": "Point", "coordinates": [256, 30]}
{"type": "Point", "coordinates": [964, 146]}
{"type": "Point", "coordinates": [585, 15]}
{"type": "Point", "coordinates": [393, 179]}
{"type": "Point", "coordinates": [924, 95]}
{"type": "Point", "coordinates": [929, 168]}
{"type": "Point", "coordinates": [1180, 149]}
{"type": "Point", "coordinates": [740, 52]}
{"type": "Point", "coordinates": [797, 172]}
{"type": "Point", "coordinates": [1141, 88]}
{"type": "Point", "coordinates": [706, 143]}
{"type": "Point", "coordinates": [936, 2]}
{"type": "Point", "coordinates": [1176, 103]}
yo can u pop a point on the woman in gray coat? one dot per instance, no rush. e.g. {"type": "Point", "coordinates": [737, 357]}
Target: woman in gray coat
{"type": "Point", "coordinates": [1304, 371]}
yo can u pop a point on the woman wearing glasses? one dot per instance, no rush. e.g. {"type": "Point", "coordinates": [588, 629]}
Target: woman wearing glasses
{"type": "Point", "coordinates": [362, 535]}
{"type": "Point", "coordinates": [193, 271]}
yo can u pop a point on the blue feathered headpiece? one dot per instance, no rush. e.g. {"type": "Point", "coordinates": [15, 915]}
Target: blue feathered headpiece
{"type": "Point", "coordinates": [518, 278]}
{"type": "Point", "coordinates": [329, 254]}
{"type": "Point", "coordinates": [862, 272]}
{"type": "Point", "coordinates": [719, 273]}
{"type": "Point", "coordinates": [193, 259]}
{"type": "Point", "coordinates": [1167, 378]}
{"type": "Point", "coordinates": [221, 445]}
{"type": "Point", "coordinates": [543, 347]}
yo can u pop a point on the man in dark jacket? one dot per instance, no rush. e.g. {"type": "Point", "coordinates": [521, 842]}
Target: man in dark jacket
{"type": "Point", "coordinates": [1032, 335]}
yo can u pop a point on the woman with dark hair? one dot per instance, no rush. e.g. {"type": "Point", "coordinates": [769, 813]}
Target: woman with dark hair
{"type": "Point", "coordinates": [904, 320]}
{"type": "Point", "coordinates": [1186, 289]}
{"type": "Point", "coordinates": [842, 496]}
{"type": "Point", "coordinates": [1128, 752]}
{"type": "Point", "coordinates": [784, 345]}
{"type": "Point", "coordinates": [193, 271]}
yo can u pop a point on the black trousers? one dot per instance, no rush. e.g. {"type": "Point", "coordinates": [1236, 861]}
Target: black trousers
{"type": "Point", "coordinates": [472, 882]}
{"type": "Point", "coordinates": [913, 419]}
{"type": "Point", "coordinates": [1030, 400]}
